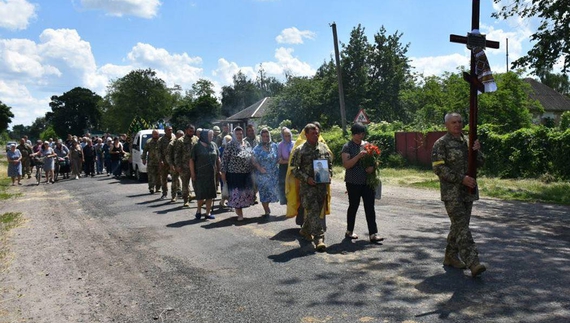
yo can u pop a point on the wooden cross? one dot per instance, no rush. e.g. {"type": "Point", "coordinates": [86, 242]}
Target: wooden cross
{"type": "Point", "coordinates": [473, 40]}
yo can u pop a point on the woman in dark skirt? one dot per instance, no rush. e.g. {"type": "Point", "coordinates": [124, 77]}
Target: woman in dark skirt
{"type": "Point", "coordinates": [236, 173]}
{"type": "Point", "coordinates": [204, 166]}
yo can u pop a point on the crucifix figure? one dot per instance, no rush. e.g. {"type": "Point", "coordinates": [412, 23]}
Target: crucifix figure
{"type": "Point", "coordinates": [476, 42]}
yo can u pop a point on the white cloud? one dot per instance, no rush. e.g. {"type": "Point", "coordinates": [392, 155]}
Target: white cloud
{"type": "Point", "coordinates": [139, 8]}
{"type": "Point", "coordinates": [16, 14]}
{"type": "Point", "coordinates": [287, 63]}
{"type": "Point", "coordinates": [437, 65]}
{"type": "Point", "coordinates": [226, 70]}
{"type": "Point", "coordinates": [294, 36]}
{"type": "Point", "coordinates": [177, 69]}
{"type": "Point", "coordinates": [25, 107]}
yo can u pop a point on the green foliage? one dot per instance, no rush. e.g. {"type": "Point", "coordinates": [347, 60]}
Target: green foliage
{"type": "Point", "coordinates": [5, 116]}
{"type": "Point", "coordinates": [384, 140]}
{"type": "Point", "coordinates": [38, 126]}
{"type": "Point", "coordinates": [565, 121]}
{"type": "Point", "coordinates": [141, 93]}
{"type": "Point", "coordinates": [74, 112]}
{"type": "Point", "coordinates": [49, 133]}
{"type": "Point", "coordinates": [510, 106]}
{"type": "Point", "coordinates": [551, 40]}
{"type": "Point", "coordinates": [526, 153]}
{"type": "Point", "coordinates": [240, 95]}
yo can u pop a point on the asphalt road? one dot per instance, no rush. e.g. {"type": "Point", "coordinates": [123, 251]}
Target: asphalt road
{"type": "Point", "coordinates": [102, 250]}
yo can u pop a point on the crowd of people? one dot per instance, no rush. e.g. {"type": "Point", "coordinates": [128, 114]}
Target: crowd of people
{"type": "Point", "coordinates": [203, 163]}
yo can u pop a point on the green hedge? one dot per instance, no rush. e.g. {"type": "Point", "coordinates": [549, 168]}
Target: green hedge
{"type": "Point", "coordinates": [384, 140]}
{"type": "Point", "coordinates": [526, 153]}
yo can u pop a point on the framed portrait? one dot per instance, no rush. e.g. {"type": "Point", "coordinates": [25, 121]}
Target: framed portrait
{"type": "Point", "coordinates": [321, 171]}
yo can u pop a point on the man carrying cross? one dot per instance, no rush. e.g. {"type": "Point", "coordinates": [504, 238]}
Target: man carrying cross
{"type": "Point", "coordinates": [455, 160]}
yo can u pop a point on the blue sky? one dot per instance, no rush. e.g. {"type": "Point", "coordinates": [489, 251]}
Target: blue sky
{"type": "Point", "coordinates": [49, 47]}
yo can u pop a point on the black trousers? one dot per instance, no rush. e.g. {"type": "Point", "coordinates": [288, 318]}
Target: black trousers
{"type": "Point", "coordinates": [355, 192]}
{"type": "Point", "coordinates": [89, 166]}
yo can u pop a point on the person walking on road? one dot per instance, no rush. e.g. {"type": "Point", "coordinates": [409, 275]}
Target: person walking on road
{"type": "Point", "coordinates": [182, 148]}
{"type": "Point", "coordinates": [14, 164]}
{"type": "Point", "coordinates": [313, 196]}
{"type": "Point", "coordinates": [26, 151]}
{"type": "Point", "coordinates": [356, 187]}
{"type": "Point", "coordinates": [150, 152]}
{"type": "Point", "coordinates": [175, 186]}
{"type": "Point", "coordinates": [204, 169]}
{"type": "Point", "coordinates": [458, 191]}
{"type": "Point", "coordinates": [163, 164]}
{"type": "Point", "coordinates": [266, 170]}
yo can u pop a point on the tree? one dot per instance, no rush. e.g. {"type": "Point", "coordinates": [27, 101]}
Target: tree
{"type": "Point", "coordinates": [38, 126]}
{"type": "Point", "coordinates": [552, 39]}
{"type": "Point", "coordinates": [389, 76]}
{"type": "Point", "coordinates": [510, 107]}
{"type": "Point", "coordinates": [240, 95]}
{"type": "Point", "coordinates": [558, 82]}
{"type": "Point", "coordinates": [268, 86]}
{"type": "Point", "coordinates": [199, 106]}
{"type": "Point", "coordinates": [74, 112]}
{"type": "Point", "coordinates": [139, 93]}
{"type": "Point", "coordinates": [19, 130]}
{"type": "Point", "coordinates": [356, 69]}
{"type": "Point", "coordinates": [5, 116]}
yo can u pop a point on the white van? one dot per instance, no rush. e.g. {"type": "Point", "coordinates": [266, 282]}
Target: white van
{"type": "Point", "coordinates": [136, 166]}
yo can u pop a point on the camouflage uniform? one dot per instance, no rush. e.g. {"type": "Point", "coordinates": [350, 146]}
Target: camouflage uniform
{"type": "Point", "coordinates": [449, 162]}
{"type": "Point", "coordinates": [313, 197]}
{"type": "Point", "coordinates": [173, 172]}
{"type": "Point", "coordinates": [182, 149]}
{"type": "Point", "coordinates": [152, 152]}
{"type": "Point", "coordinates": [26, 151]}
{"type": "Point", "coordinates": [164, 169]}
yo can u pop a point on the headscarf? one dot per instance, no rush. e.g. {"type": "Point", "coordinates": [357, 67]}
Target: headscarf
{"type": "Point", "coordinates": [238, 145]}
{"type": "Point", "coordinates": [289, 144]}
{"type": "Point", "coordinates": [264, 144]}
{"type": "Point", "coordinates": [204, 136]}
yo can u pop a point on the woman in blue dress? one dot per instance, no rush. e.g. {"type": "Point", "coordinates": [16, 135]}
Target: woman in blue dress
{"type": "Point", "coordinates": [265, 159]}
{"type": "Point", "coordinates": [14, 164]}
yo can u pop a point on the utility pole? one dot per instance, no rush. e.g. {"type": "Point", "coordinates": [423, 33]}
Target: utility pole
{"type": "Point", "coordinates": [507, 55]}
{"type": "Point", "coordinates": [339, 78]}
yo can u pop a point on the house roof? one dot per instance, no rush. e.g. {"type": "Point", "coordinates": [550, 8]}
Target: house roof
{"type": "Point", "coordinates": [551, 100]}
{"type": "Point", "coordinates": [256, 110]}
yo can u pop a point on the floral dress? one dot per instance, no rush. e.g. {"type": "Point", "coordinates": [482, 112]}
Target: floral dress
{"type": "Point", "coordinates": [267, 183]}
{"type": "Point", "coordinates": [236, 163]}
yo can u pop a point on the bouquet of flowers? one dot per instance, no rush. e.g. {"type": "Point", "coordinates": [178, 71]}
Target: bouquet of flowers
{"type": "Point", "coordinates": [372, 158]}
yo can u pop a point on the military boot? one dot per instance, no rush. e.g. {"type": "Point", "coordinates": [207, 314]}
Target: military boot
{"type": "Point", "coordinates": [477, 269]}
{"type": "Point", "coordinates": [454, 262]}
{"type": "Point", "coordinates": [320, 245]}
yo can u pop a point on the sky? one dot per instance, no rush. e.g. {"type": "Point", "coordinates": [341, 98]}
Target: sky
{"type": "Point", "coordinates": [50, 47]}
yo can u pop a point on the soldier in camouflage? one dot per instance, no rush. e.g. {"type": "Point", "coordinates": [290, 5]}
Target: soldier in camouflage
{"type": "Point", "coordinates": [313, 195]}
{"type": "Point", "coordinates": [182, 149]}
{"type": "Point", "coordinates": [449, 161]}
{"type": "Point", "coordinates": [163, 164]}
{"type": "Point", "coordinates": [26, 151]}
{"type": "Point", "coordinates": [150, 152]}
{"type": "Point", "coordinates": [173, 172]}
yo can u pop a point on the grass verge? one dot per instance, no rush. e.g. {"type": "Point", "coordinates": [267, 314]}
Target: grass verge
{"type": "Point", "coordinates": [527, 190]}
{"type": "Point", "coordinates": [5, 182]}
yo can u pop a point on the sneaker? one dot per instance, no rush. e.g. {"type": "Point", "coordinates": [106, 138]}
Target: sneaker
{"type": "Point", "coordinates": [454, 261]}
{"type": "Point", "coordinates": [321, 246]}
{"type": "Point", "coordinates": [198, 216]}
{"type": "Point", "coordinates": [477, 269]}
{"type": "Point", "coordinates": [210, 217]}
{"type": "Point", "coordinates": [186, 204]}
{"type": "Point", "coordinates": [375, 238]}
{"type": "Point", "coordinates": [172, 200]}
{"type": "Point", "coordinates": [350, 235]}
{"type": "Point", "coordinates": [151, 191]}
{"type": "Point", "coordinates": [163, 196]}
